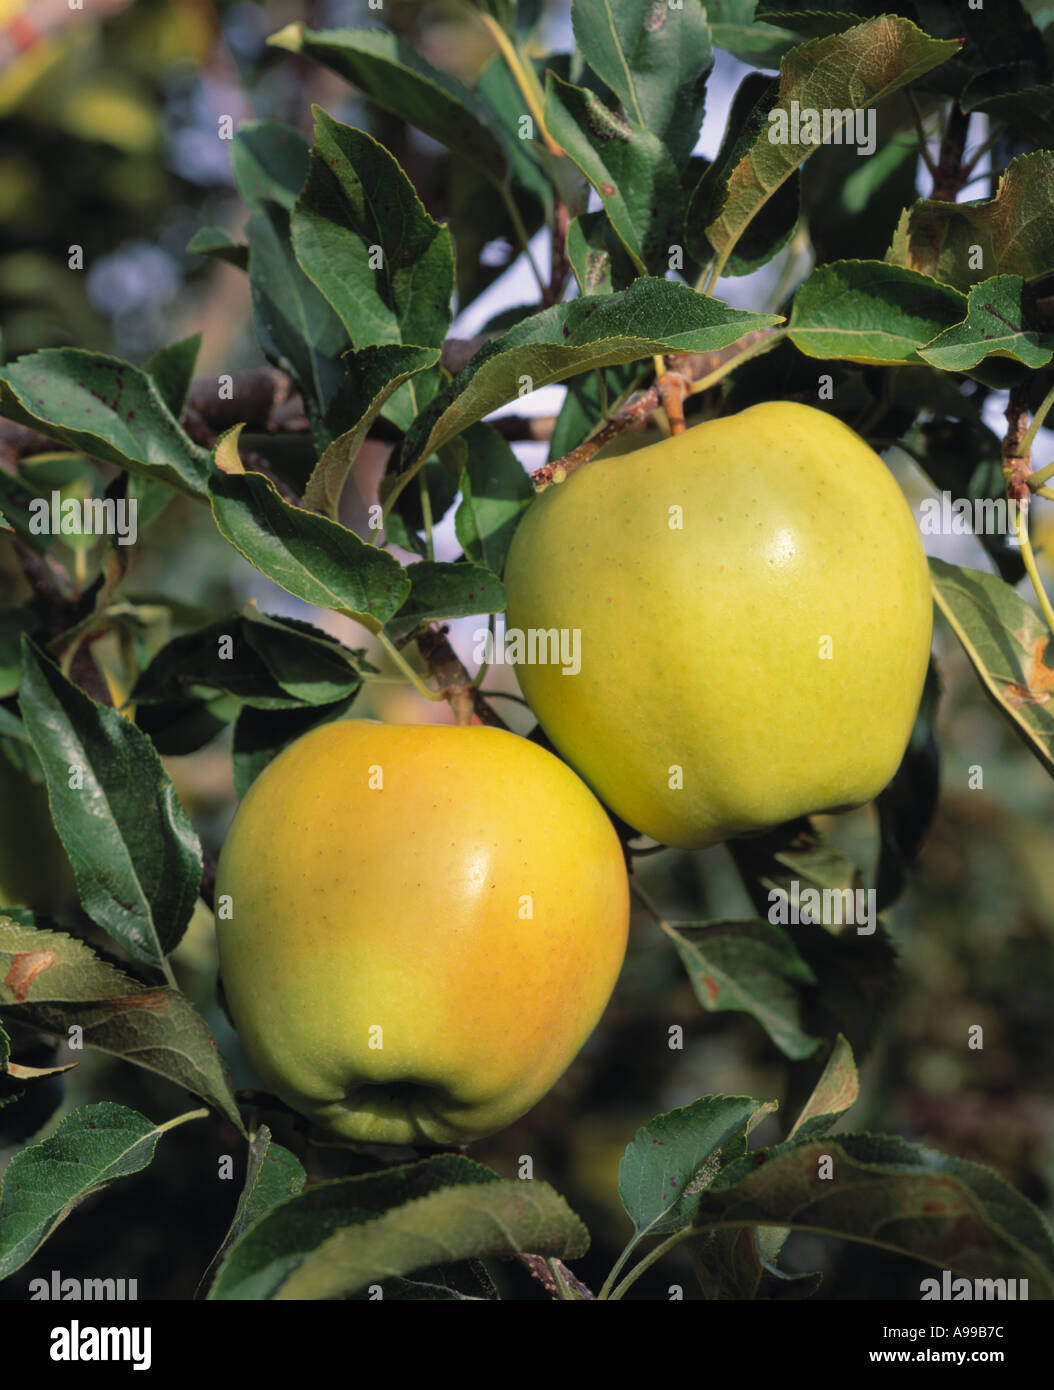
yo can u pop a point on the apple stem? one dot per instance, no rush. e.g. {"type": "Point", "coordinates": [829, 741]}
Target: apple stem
{"type": "Point", "coordinates": [1029, 558]}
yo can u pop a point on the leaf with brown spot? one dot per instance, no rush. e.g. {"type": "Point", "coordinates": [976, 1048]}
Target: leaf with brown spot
{"type": "Point", "coordinates": [855, 69]}
{"type": "Point", "coordinates": [21, 1073]}
{"type": "Point", "coordinates": [158, 1029]}
{"type": "Point", "coordinates": [881, 1195]}
{"type": "Point", "coordinates": [1015, 229]}
{"type": "Point", "coordinates": [1005, 639]}
{"type": "Point", "coordinates": [24, 969]}
{"type": "Point", "coordinates": [152, 1001]}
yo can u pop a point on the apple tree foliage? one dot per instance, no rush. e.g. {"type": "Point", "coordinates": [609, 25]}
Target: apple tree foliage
{"type": "Point", "coordinates": [913, 312]}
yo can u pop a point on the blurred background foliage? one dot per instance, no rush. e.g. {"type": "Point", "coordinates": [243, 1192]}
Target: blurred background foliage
{"type": "Point", "coordinates": [109, 142]}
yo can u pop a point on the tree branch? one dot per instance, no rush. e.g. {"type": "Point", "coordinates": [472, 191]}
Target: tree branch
{"type": "Point", "coordinates": [453, 681]}
{"type": "Point", "coordinates": [951, 175]}
{"type": "Point", "coordinates": [538, 1267]}
{"type": "Point", "coordinates": [669, 391]}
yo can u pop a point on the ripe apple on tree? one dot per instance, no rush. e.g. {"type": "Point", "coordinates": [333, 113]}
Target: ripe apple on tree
{"type": "Point", "coordinates": [754, 604]}
{"type": "Point", "coordinates": [425, 924]}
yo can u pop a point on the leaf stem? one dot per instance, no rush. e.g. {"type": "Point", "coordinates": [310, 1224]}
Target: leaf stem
{"type": "Point", "coordinates": [616, 1268]}
{"type": "Point", "coordinates": [525, 79]}
{"type": "Point", "coordinates": [521, 233]}
{"type": "Point", "coordinates": [407, 670]}
{"type": "Point", "coordinates": [561, 1283]}
{"type": "Point", "coordinates": [426, 514]}
{"type": "Point", "coordinates": [648, 1260]}
{"type": "Point", "coordinates": [1028, 556]}
{"type": "Point", "coordinates": [920, 130]}
{"type": "Point", "coordinates": [201, 1114]}
{"type": "Point", "coordinates": [1024, 446]}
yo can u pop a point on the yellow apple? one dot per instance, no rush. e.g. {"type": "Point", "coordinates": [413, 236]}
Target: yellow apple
{"type": "Point", "coordinates": [418, 926]}
{"type": "Point", "coordinates": [754, 610]}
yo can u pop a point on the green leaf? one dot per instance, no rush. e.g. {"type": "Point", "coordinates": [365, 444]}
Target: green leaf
{"type": "Point", "coordinates": [373, 376]}
{"type": "Point", "coordinates": [631, 170]}
{"type": "Point", "coordinates": [600, 262]}
{"type": "Point", "coordinates": [751, 966]}
{"type": "Point", "coordinates": [261, 734]}
{"type": "Point", "coordinates": [818, 17]}
{"type": "Point", "coordinates": [91, 1147]}
{"type": "Point", "coordinates": [494, 489]}
{"type": "Point", "coordinates": [999, 322]}
{"type": "Point", "coordinates": [1006, 641]}
{"type": "Point", "coordinates": [893, 1195]}
{"type": "Point", "coordinates": [837, 1091]}
{"type": "Point", "coordinates": [261, 1264]}
{"type": "Point", "coordinates": [399, 80]}
{"type": "Point", "coordinates": [52, 982]}
{"type": "Point", "coordinates": [358, 207]}
{"type": "Point", "coordinates": [439, 589]}
{"type": "Point", "coordinates": [652, 316]}
{"type": "Point", "coordinates": [670, 1161]}
{"type": "Point", "coordinates": [269, 163]}
{"type": "Point", "coordinates": [172, 371]}
{"type": "Point", "coordinates": [868, 311]}
{"type": "Point", "coordinates": [655, 59]}
{"type": "Point", "coordinates": [855, 974]}
{"type": "Point", "coordinates": [13, 622]}
{"type": "Point", "coordinates": [1011, 94]}
{"type": "Point", "coordinates": [269, 663]}
{"type": "Point", "coordinates": [457, 1223]}
{"type": "Point", "coordinates": [729, 1265]}
{"type": "Point", "coordinates": [297, 328]}
{"type": "Point", "coordinates": [734, 28]}
{"type": "Point", "coordinates": [772, 228]}
{"type": "Point", "coordinates": [854, 70]}
{"type": "Point", "coordinates": [500, 95]}
{"type": "Point", "coordinates": [135, 856]}
{"type": "Point", "coordinates": [220, 245]}
{"type": "Point", "coordinates": [272, 1174]}
{"type": "Point", "coordinates": [311, 557]}
{"type": "Point", "coordinates": [1010, 234]}
{"type": "Point", "coordinates": [105, 408]}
